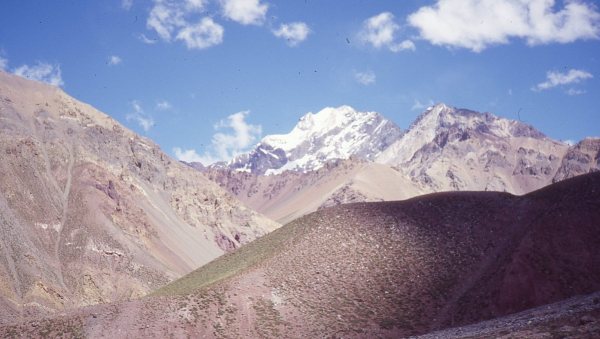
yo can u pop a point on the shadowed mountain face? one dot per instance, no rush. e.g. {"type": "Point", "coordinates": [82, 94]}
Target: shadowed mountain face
{"type": "Point", "coordinates": [380, 269]}
{"type": "Point", "coordinates": [91, 212]}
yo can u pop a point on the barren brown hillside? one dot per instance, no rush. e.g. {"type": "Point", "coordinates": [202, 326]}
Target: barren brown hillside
{"type": "Point", "coordinates": [90, 212]}
{"type": "Point", "coordinates": [378, 269]}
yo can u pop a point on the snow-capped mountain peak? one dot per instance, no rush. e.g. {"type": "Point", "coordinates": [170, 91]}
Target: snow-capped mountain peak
{"type": "Point", "coordinates": [331, 133]}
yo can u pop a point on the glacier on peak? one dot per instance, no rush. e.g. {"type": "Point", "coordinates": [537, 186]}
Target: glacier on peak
{"type": "Point", "coordinates": [332, 133]}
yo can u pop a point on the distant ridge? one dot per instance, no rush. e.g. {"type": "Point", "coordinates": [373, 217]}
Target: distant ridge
{"type": "Point", "coordinates": [444, 149]}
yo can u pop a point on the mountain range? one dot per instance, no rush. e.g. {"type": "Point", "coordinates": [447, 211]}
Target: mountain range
{"type": "Point", "coordinates": [339, 160]}
{"type": "Point", "coordinates": [462, 218]}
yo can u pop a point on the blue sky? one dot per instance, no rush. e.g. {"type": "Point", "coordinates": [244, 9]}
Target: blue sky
{"type": "Point", "coordinates": [186, 73]}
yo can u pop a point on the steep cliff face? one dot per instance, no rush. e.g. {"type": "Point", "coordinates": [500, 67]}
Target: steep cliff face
{"type": "Point", "coordinates": [91, 212]}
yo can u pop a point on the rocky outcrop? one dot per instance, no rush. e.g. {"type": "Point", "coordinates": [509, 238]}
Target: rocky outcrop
{"type": "Point", "coordinates": [584, 157]}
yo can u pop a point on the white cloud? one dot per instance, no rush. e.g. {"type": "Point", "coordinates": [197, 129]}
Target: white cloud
{"type": "Point", "coordinates": [294, 33]}
{"type": "Point", "coordinates": [405, 45]}
{"type": "Point", "coordinates": [195, 4]}
{"type": "Point", "coordinates": [145, 122]}
{"type": "Point", "coordinates": [225, 146]}
{"type": "Point", "coordinates": [163, 105]}
{"type": "Point", "coordinates": [380, 32]}
{"type": "Point", "coordinates": [478, 24]}
{"type": "Point", "coordinates": [188, 155]}
{"type": "Point", "coordinates": [138, 115]}
{"type": "Point", "coordinates": [569, 142]}
{"type": "Point", "coordinates": [365, 78]}
{"type": "Point", "coordinates": [171, 19]}
{"type": "Point", "coordinates": [166, 17]}
{"type": "Point", "coordinates": [126, 4]}
{"type": "Point", "coordinates": [41, 71]}
{"type": "Point", "coordinates": [573, 91]}
{"type": "Point", "coordinates": [3, 63]}
{"type": "Point", "coordinates": [245, 12]}
{"type": "Point", "coordinates": [555, 78]}
{"type": "Point", "coordinates": [114, 60]}
{"type": "Point", "coordinates": [204, 34]}
{"type": "Point", "coordinates": [419, 106]}
{"type": "Point", "coordinates": [143, 38]}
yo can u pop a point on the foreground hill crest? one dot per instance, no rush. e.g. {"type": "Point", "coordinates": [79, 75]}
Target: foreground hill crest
{"type": "Point", "coordinates": [385, 269]}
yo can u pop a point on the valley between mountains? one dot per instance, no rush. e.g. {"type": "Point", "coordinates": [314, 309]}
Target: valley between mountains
{"type": "Point", "coordinates": [462, 225]}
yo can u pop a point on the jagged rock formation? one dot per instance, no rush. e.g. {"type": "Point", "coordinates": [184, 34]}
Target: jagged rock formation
{"type": "Point", "coordinates": [91, 212]}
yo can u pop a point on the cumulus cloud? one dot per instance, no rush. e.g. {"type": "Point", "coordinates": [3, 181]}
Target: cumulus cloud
{"type": "Point", "coordinates": [380, 32]}
{"type": "Point", "coordinates": [294, 33]}
{"type": "Point", "coordinates": [163, 105]}
{"type": "Point", "coordinates": [365, 78]}
{"type": "Point", "coordinates": [126, 4]}
{"type": "Point", "coordinates": [166, 17]}
{"type": "Point", "coordinates": [224, 146]}
{"type": "Point", "coordinates": [204, 34]}
{"type": "Point", "coordinates": [245, 12]}
{"type": "Point", "coordinates": [41, 71]}
{"type": "Point", "coordinates": [195, 4]}
{"type": "Point", "coordinates": [478, 24]}
{"type": "Point", "coordinates": [145, 121]}
{"type": "Point", "coordinates": [114, 60]}
{"type": "Point", "coordinates": [555, 78]}
{"type": "Point", "coordinates": [171, 20]}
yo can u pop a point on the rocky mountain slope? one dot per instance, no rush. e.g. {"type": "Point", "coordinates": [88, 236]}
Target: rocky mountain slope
{"type": "Point", "coordinates": [387, 269]}
{"type": "Point", "coordinates": [445, 149]}
{"type": "Point", "coordinates": [332, 133]}
{"type": "Point", "coordinates": [584, 157]}
{"type": "Point", "coordinates": [91, 212]}
{"type": "Point", "coordinates": [456, 149]}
